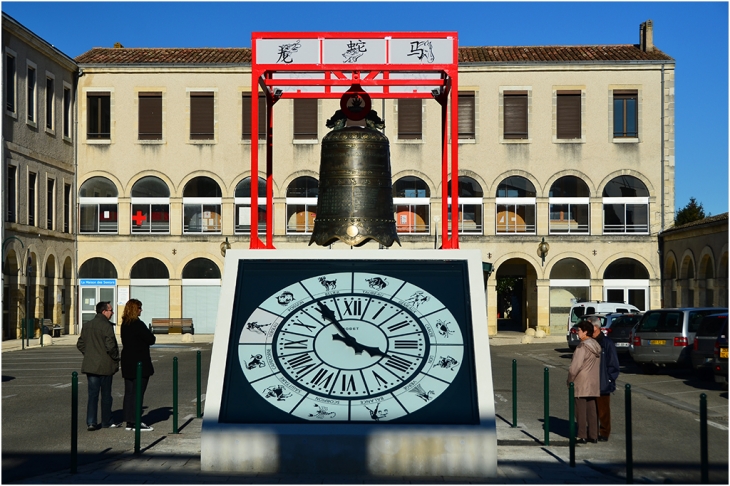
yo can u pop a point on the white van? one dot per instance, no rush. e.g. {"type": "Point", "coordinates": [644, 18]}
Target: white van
{"type": "Point", "coordinates": [580, 309]}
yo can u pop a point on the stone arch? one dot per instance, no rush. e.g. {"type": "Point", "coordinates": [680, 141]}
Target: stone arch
{"type": "Point", "coordinates": [149, 173]}
{"type": "Point", "coordinates": [687, 265]}
{"type": "Point", "coordinates": [566, 255]}
{"type": "Point", "coordinates": [110, 177]}
{"type": "Point", "coordinates": [67, 273]}
{"type": "Point", "coordinates": [421, 175]}
{"type": "Point", "coordinates": [193, 256]}
{"type": "Point", "coordinates": [492, 190]}
{"type": "Point", "coordinates": [180, 190]}
{"type": "Point", "coordinates": [670, 266]}
{"type": "Point", "coordinates": [609, 177]}
{"type": "Point", "coordinates": [570, 172]}
{"type": "Point", "coordinates": [653, 272]}
{"type": "Point", "coordinates": [296, 175]}
{"type": "Point", "coordinates": [96, 262]}
{"type": "Point", "coordinates": [240, 177]}
{"type": "Point", "coordinates": [201, 266]}
{"type": "Point", "coordinates": [144, 255]}
{"type": "Point", "coordinates": [11, 265]}
{"type": "Point", "coordinates": [706, 267]}
{"type": "Point", "coordinates": [465, 173]}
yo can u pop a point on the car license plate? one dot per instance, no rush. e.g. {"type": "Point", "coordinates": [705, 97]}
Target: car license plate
{"type": "Point", "coordinates": [622, 345]}
{"type": "Point", "coordinates": [723, 353]}
{"type": "Point", "coordinates": [658, 342]}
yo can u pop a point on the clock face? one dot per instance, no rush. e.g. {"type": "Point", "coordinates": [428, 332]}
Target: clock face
{"type": "Point", "coordinates": [351, 346]}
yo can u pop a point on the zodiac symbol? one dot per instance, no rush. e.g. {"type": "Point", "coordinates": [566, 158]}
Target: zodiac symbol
{"type": "Point", "coordinates": [354, 51]}
{"type": "Point", "coordinates": [285, 298]}
{"type": "Point", "coordinates": [286, 51]}
{"type": "Point", "coordinates": [328, 284]}
{"type": "Point", "coordinates": [377, 414]}
{"type": "Point", "coordinates": [421, 393]}
{"type": "Point", "coordinates": [376, 283]}
{"type": "Point", "coordinates": [276, 391]}
{"type": "Point", "coordinates": [415, 300]}
{"type": "Point", "coordinates": [255, 362]}
{"type": "Point", "coordinates": [443, 328]}
{"type": "Point", "coordinates": [256, 327]}
{"type": "Point", "coordinates": [447, 362]}
{"type": "Point", "coordinates": [322, 413]}
{"type": "Point", "coordinates": [422, 49]}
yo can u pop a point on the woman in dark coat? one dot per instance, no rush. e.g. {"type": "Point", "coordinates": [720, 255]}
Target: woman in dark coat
{"type": "Point", "coordinates": [136, 342]}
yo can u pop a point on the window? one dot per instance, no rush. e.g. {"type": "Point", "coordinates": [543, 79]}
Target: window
{"type": "Point", "coordinates": [569, 206]}
{"type": "Point", "coordinates": [625, 114]}
{"type": "Point", "coordinates": [625, 206]}
{"type": "Point", "coordinates": [50, 95]}
{"type": "Point", "coordinates": [12, 214]}
{"type": "Point", "coordinates": [50, 206]}
{"type": "Point", "coordinates": [150, 115]}
{"type": "Point", "coordinates": [301, 205]}
{"type": "Point", "coordinates": [516, 206]}
{"type": "Point", "coordinates": [470, 206]}
{"type": "Point", "coordinates": [201, 206]}
{"type": "Point", "coordinates": [410, 119]}
{"type": "Point", "coordinates": [67, 112]}
{"type": "Point", "coordinates": [150, 206]}
{"type": "Point", "coordinates": [67, 208]}
{"type": "Point", "coordinates": [246, 117]}
{"type": "Point", "coordinates": [30, 100]}
{"type": "Point", "coordinates": [98, 126]}
{"type": "Point", "coordinates": [568, 115]}
{"type": "Point", "coordinates": [411, 199]}
{"type": "Point", "coordinates": [467, 129]}
{"type": "Point", "coordinates": [31, 198]}
{"type": "Point", "coordinates": [305, 119]}
{"type": "Point", "coordinates": [243, 206]}
{"type": "Point", "coordinates": [98, 206]}
{"type": "Point", "coordinates": [202, 115]}
{"type": "Point", "coordinates": [515, 115]}
{"type": "Point", "coordinates": [10, 82]}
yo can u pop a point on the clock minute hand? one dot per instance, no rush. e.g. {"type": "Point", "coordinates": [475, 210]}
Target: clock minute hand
{"type": "Point", "coordinates": [346, 338]}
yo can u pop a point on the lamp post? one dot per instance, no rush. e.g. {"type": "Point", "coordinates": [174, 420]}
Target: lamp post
{"type": "Point", "coordinates": [542, 250]}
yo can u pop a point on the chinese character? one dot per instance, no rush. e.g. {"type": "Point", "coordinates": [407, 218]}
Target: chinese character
{"type": "Point", "coordinates": [286, 50]}
{"type": "Point", "coordinates": [422, 49]}
{"type": "Point", "coordinates": [354, 51]}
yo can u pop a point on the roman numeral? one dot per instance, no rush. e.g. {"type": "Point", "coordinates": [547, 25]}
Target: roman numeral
{"type": "Point", "coordinates": [300, 344]}
{"type": "Point", "coordinates": [381, 381]}
{"type": "Point", "coordinates": [301, 364]}
{"type": "Point", "coordinates": [322, 378]}
{"type": "Point", "coordinates": [299, 323]}
{"type": "Point", "coordinates": [378, 313]}
{"type": "Point", "coordinates": [398, 363]}
{"type": "Point", "coordinates": [353, 308]}
{"type": "Point", "coordinates": [397, 326]}
{"type": "Point", "coordinates": [348, 385]}
{"type": "Point", "coordinates": [405, 344]}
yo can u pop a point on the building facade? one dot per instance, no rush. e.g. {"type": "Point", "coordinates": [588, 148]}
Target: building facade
{"type": "Point", "coordinates": [38, 182]}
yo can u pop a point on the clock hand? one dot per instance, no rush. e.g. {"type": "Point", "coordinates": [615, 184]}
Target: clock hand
{"type": "Point", "coordinates": [345, 337]}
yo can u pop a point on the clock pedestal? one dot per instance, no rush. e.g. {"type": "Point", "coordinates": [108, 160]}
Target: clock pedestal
{"type": "Point", "coordinates": [367, 362]}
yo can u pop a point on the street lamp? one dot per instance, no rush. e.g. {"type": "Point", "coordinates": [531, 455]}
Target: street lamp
{"type": "Point", "coordinates": [542, 250]}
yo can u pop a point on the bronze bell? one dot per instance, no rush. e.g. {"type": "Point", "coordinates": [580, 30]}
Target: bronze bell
{"type": "Point", "coordinates": [355, 201]}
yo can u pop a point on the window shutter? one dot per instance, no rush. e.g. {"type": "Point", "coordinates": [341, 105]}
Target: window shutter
{"type": "Point", "coordinates": [467, 129]}
{"type": "Point", "coordinates": [246, 131]}
{"type": "Point", "coordinates": [202, 119]}
{"type": "Point", "coordinates": [150, 116]}
{"type": "Point", "coordinates": [568, 114]}
{"type": "Point", "coordinates": [305, 119]}
{"type": "Point", "coordinates": [515, 114]}
{"type": "Point", "coordinates": [409, 119]}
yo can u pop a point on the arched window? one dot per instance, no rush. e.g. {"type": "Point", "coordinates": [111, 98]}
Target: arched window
{"type": "Point", "coordinates": [470, 206]}
{"type": "Point", "coordinates": [150, 206]}
{"type": "Point", "coordinates": [569, 206]}
{"type": "Point", "coordinates": [516, 206]}
{"type": "Point", "coordinates": [411, 199]}
{"type": "Point", "coordinates": [201, 206]}
{"type": "Point", "coordinates": [301, 205]}
{"type": "Point", "coordinates": [201, 285]}
{"type": "Point", "coordinates": [626, 281]}
{"type": "Point", "coordinates": [97, 268]}
{"type": "Point", "coordinates": [243, 206]}
{"type": "Point", "coordinates": [98, 206]}
{"type": "Point", "coordinates": [149, 283]}
{"type": "Point", "coordinates": [625, 206]}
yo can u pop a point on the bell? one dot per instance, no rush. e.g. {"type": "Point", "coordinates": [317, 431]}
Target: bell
{"type": "Point", "coordinates": [355, 201]}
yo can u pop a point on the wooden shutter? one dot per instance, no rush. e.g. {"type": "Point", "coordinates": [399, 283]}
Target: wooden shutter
{"type": "Point", "coordinates": [150, 116]}
{"type": "Point", "coordinates": [202, 116]}
{"type": "Point", "coordinates": [246, 117]}
{"type": "Point", "coordinates": [305, 119]}
{"type": "Point", "coordinates": [410, 119]}
{"type": "Point", "coordinates": [466, 115]}
{"type": "Point", "coordinates": [568, 114]}
{"type": "Point", "coordinates": [515, 114]}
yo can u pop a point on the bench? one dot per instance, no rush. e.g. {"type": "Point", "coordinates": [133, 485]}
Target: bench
{"type": "Point", "coordinates": [172, 325]}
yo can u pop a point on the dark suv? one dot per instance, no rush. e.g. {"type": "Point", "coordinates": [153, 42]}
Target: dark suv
{"type": "Point", "coordinates": [703, 348]}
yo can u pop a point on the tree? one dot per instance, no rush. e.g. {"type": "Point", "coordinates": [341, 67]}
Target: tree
{"type": "Point", "coordinates": [693, 211]}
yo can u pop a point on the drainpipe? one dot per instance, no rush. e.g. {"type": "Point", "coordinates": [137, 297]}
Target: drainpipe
{"type": "Point", "coordinates": [662, 154]}
{"type": "Point", "coordinates": [75, 205]}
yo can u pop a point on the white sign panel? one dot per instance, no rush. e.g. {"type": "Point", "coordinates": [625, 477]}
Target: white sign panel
{"type": "Point", "coordinates": [287, 51]}
{"type": "Point", "coordinates": [421, 51]}
{"type": "Point", "coordinates": [354, 51]}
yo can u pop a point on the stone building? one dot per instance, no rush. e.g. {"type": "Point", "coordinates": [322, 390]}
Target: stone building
{"type": "Point", "coordinates": [38, 181]}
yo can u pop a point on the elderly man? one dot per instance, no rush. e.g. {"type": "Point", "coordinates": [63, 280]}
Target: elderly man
{"type": "Point", "coordinates": [98, 344]}
{"type": "Point", "coordinates": [609, 373]}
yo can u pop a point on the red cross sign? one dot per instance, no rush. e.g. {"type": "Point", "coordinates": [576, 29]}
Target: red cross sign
{"type": "Point", "coordinates": [139, 218]}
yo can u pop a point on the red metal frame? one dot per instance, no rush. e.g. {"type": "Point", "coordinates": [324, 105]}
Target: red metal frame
{"type": "Point", "coordinates": [366, 75]}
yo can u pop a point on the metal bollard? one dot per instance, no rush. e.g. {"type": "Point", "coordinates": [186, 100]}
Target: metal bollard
{"type": "Point", "coordinates": [547, 406]}
{"type": "Point", "coordinates": [198, 378]}
{"type": "Point", "coordinates": [174, 395]}
{"type": "Point", "coordinates": [74, 420]}
{"type": "Point", "coordinates": [138, 407]}
{"type": "Point", "coordinates": [571, 422]}
{"type": "Point", "coordinates": [629, 439]}
{"type": "Point", "coordinates": [514, 393]}
{"type": "Point", "coordinates": [704, 459]}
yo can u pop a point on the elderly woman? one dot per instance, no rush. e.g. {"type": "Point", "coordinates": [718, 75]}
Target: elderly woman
{"type": "Point", "coordinates": [584, 373]}
{"type": "Point", "coordinates": [136, 342]}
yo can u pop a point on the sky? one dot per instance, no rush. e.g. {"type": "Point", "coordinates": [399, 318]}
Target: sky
{"type": "Point", "coordinates": [695, 34]}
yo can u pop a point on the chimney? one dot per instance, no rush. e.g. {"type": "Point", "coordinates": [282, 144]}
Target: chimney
{"type": "Point", "coordinates": [118, 45]}
{"type": "Point", "coordinates": [646, 36]}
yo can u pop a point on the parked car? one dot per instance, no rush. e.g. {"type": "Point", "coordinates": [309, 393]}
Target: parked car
{"type": "Point", "coordinates": [665, 336]}
{"type": "Point", "coordinates": [580, 309]}
{"type": "Point", "coordinates": [703, 348]}
{"type": "Point", "coordinates": [719, 359]}
{"type": "Point", "coordinates": [615, 326]}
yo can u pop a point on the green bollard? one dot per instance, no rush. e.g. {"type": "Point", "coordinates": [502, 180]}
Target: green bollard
{"type": "Point", "coordinates": [198, 379]}
{"type": "Point", "coordinates": [547, 406]}
{"type": "Point", "coordinates": [514, 393]}
{"type": "Point", "coordinates": [138, 408]}
{"type": "Point", "coordinates": [629, 439]}
{"type": "Point", "coordinates": [571, 422]}
{"type": "Point", "coordinates": [174, 395]}
{"type": "Point", "coordinates": [74, 419]}
{"type": "Point", "coordinates": [704, 459]}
